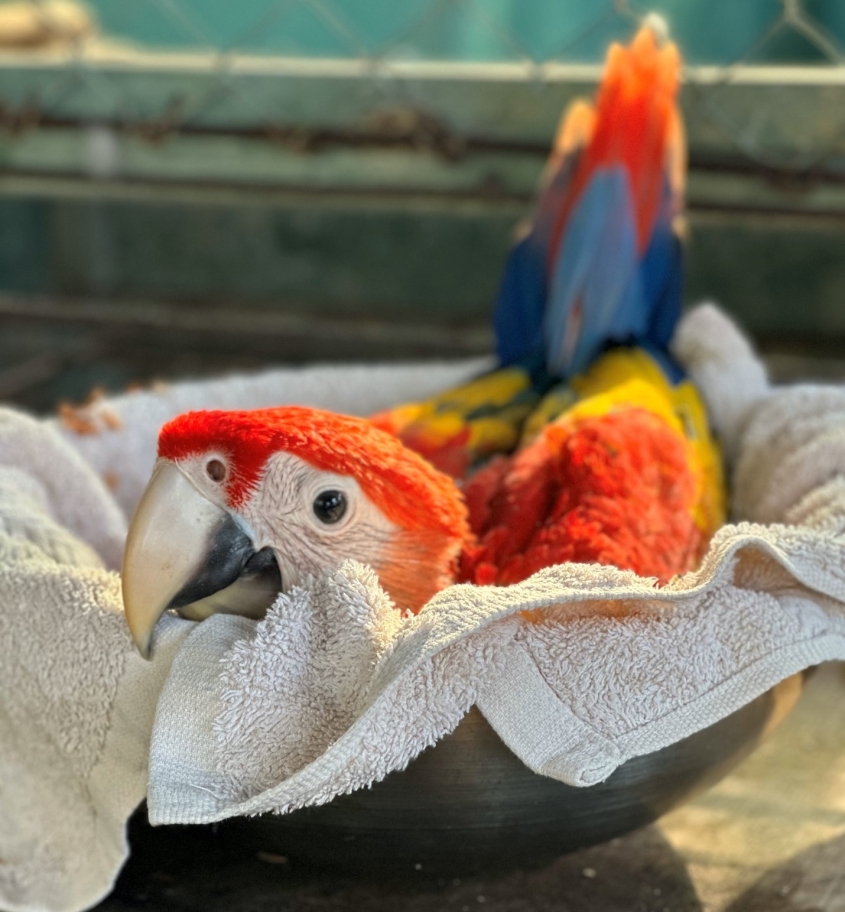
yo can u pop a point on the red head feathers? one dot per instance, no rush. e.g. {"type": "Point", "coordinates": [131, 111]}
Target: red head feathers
{"type": "Point", "coordinates": [408, 490]}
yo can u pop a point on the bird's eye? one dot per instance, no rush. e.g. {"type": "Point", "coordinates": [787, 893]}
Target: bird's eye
{"type": "Point", "coordinates": [330, 506]}
{"type": "Point", "coordinates": [216, 469]}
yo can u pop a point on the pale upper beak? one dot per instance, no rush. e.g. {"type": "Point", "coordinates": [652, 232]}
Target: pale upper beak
{"type": "Point", "coordinates": [185, 552]}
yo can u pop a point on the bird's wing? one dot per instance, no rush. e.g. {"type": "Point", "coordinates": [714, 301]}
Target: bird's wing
{"type": "Point", "coordinates": [627, 474]}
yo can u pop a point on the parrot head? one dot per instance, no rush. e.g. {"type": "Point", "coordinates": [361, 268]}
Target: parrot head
{"type": "Point", "coordinates": [243, 505]}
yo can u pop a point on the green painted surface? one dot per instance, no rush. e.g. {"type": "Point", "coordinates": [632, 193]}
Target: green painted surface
{"type": "Point", "coordinates": [781, 278]}
{"type": "Point", "coordinates": [390, 235]}
{"type": "Point", "coordinates": [793, 117]}
{"type": "Point", "coordinates": [313, 191]}
{"type": "Point", "coordinates": [781, 273]}
{"type": "Point", "coordinates": [717, 31]}
{"type": "Point", "coordinates": [25, 245]}
{"type": "Point", "coordinates": [405, 265]}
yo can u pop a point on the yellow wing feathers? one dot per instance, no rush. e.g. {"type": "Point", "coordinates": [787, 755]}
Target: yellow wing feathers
{"type": "Point", "coordinates": [631, 378]}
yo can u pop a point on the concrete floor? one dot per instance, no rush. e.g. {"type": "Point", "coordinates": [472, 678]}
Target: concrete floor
{"type": "Point", "coordinates": [772, 835]}
{"type": "Point", "coordinates": [768, 838]}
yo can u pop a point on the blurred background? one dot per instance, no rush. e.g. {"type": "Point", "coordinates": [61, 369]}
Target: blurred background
{"type": "Point", "coordinates": [194, 186]}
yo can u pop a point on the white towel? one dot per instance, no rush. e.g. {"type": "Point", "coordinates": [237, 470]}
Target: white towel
{"type": "Point", "coordinates": [77, 702]}
{"type": "Point", "coordinates": [332, 690]}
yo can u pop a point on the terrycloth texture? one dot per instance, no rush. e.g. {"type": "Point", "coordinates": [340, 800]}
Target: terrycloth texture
{"type": "Point", "coordinates": [77, 704]}
{"type": "Point", "coordinates": [78, 500]}
{"type": "Point", "coordinates": [332, 693]}
{"type": "Point", "coordinates": [721, 363]}
{"type": "Point", "coordinates": [77, 701]}
{"type": "Point", "coordinates": [333, 689]}
{"type": "Point", "coordinates": [607, 668]}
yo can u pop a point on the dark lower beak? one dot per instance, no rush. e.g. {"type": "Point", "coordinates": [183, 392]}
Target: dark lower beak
{"type": "Point", "coordinates": [185, 553]}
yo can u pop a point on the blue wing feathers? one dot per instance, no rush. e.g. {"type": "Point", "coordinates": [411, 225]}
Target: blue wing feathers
{"type": "Point", "coordinates": [599, 289]}
{"type": "Point", "coordinates": [594, 297]}
{"type": "Point", "coordinates": [663, 282]}
{"type": "Point", "coordinates": [518, 314]}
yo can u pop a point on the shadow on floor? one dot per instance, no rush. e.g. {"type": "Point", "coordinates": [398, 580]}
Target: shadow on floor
{"type": "Point", "coordinates": [813, 881]}
{"type": "Point", "coordinates": [203, 868]}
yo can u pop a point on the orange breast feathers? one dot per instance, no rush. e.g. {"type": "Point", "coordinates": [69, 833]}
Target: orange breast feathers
{"type": "Point", "coordinates": [617, 488]}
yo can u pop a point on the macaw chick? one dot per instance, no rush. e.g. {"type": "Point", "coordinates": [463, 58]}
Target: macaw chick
{"type": "Point", "coordinates": [613, 465]}
{"type": "Point", "coordinates": [243, 505]}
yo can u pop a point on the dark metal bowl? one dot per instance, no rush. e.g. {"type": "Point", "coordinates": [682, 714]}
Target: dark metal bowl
{"type": "Point", "coordinates": [469, 805]}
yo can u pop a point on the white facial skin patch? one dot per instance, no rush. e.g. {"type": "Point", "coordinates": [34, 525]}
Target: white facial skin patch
{"type": "Point", "coordinates": [286, 513]}
{"type": "Point", "coordinates": [281, 515]}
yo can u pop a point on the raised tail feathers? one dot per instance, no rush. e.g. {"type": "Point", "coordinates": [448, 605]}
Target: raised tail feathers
{"type": "Point", "coordinates": [601, 263]}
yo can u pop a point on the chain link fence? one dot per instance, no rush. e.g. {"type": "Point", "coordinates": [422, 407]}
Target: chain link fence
{"type": "Point", "coordinates": [418, 73]}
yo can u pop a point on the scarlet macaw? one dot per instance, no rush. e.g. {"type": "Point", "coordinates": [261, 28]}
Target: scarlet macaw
{"type": "Point", "coordinates": [601, 450]}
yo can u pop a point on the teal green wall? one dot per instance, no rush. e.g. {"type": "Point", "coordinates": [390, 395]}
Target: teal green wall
{"type": "Point", "coordinates": [782, 276]}
{"type": "Point", "coordinates": [716, 31]}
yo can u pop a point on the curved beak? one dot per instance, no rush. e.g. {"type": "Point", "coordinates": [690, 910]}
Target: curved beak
{"type": "Point", "coordinates": [185, 552]}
